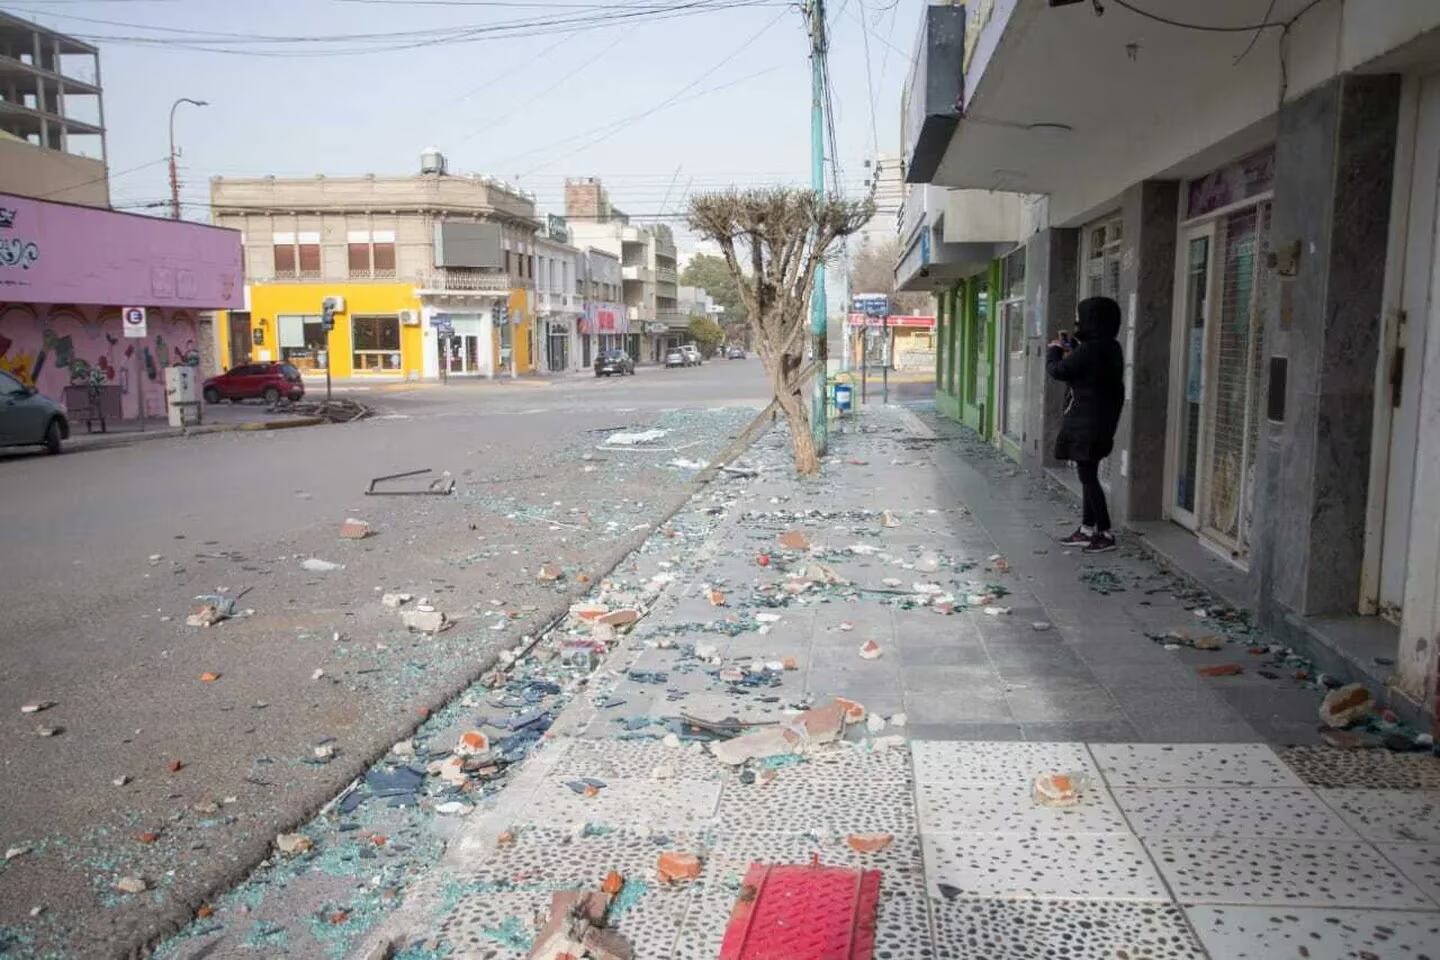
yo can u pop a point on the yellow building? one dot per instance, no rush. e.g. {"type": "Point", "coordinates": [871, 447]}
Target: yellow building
{"type": "Point", "coordinates": [421, 265]}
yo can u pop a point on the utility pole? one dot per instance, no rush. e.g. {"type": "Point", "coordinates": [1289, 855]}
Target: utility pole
{"type": "Point", "coordinates": [818, 424]}
{"type": "Point", "coordinates": [174, 175]}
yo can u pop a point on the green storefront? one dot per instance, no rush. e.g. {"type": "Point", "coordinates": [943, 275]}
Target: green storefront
{"type": "Point", "coordinates": [965, 351]}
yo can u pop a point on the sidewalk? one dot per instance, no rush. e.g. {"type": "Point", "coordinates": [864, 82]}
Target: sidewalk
{"type": "Point", "coordinates": [1211, 821]}
{"type": "Point", "coordinates": [1200, 832]}
{"type": "Point", "coordinates": [218, 418]}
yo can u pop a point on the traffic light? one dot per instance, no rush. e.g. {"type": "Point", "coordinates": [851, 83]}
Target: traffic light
{"type": "Point", "coordinates": [500, 314]}
{"type": "Point", "coordinates": [327, 313]}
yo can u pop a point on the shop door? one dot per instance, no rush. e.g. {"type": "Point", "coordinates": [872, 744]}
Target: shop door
{"type": "Point", "coordinates": [239, 338]}
{"type": "Point", "coordinates": [1231, 387]}
{"type": "Point", "coordinates": [460, 354]}
{"type": "Point", "coordinates": [1188, 378]}
{"type": "Point", "coordinates": [1407, 350]}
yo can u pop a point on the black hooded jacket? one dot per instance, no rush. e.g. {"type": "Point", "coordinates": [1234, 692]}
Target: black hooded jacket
{"type": "Point", "coordinates": [1095, 374]}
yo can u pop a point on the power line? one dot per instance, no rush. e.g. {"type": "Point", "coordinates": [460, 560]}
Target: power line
{"type": "Point", "coordinates": [869, 81]}
{"type": "Point", "coordinates": [100, 179]}
{"type": "Point", "coordinates": [671, 100]}
{"type": "Point", "coordinates": [242, 44]}
{"type": "Point", "coordinates": [1264, 24]}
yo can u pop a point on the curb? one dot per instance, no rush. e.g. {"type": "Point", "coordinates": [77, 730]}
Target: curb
{"type": "Point", "coordinates": [171, 433]}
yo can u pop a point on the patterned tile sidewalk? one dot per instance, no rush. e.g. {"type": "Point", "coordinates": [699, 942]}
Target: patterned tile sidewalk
{"type": "Point", "coordinates": [1210, 825]}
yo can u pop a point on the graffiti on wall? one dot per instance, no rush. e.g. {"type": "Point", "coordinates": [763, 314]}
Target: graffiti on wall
{"type": "Point", "coordinates": [53, 346]}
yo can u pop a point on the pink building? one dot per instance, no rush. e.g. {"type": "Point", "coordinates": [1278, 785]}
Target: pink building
{"type": "Point", "coordinates": [66, 273]}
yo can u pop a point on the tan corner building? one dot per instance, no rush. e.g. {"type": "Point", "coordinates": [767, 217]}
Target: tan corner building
{"type": "Point", "coordinates": [434, 273]}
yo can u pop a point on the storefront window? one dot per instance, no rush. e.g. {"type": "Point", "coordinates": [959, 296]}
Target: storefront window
{"type": "Point", "coordinates": [1102, 259]}
{"type": "Point", "coordinates": [376, 343]}
{"type": "Point", "coordinates": [302, 341]}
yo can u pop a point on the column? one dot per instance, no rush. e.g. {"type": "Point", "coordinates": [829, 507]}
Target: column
{"type": "Point", "coordinates": [1334, 163]}
{"type": "Point", "coordinates": [1147, 293]}
{"type": "Point", "coordinates": [1051, 260]}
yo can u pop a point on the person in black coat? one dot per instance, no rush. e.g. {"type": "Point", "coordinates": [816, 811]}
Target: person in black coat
{"type": "Point", "coordinates": [1092, 365]}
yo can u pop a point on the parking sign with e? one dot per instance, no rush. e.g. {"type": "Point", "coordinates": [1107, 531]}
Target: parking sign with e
{"type": "Point", "coordinates": [133, 320]}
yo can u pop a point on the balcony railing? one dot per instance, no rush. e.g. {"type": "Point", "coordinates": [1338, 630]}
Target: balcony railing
{"type": "Point", "coordinates": [463, 281]}
{"type": "Point", "coordinates": [665, 274]}
{"type": "Point", "coordinates": [642, 274]}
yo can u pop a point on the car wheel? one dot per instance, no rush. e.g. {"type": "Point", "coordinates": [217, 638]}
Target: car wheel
{"type": "Point", "coordinates": [52, 436]}
{"type": "Point", "coordinates": [271, 395]}
{"type": "Point", "coordinates": [212, 395]}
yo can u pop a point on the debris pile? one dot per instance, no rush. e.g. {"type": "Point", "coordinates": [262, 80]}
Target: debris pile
{"type": "Point", "coordinates": [336, 409]}
{"type": "Point", "coordinates": [577, 928]}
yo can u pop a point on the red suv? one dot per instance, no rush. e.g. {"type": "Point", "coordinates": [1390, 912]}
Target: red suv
{"type": "Point", "coordinates": [250, 381]}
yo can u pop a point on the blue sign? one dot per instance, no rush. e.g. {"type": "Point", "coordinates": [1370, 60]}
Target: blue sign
{"type": "Point", "coordinates": [870, 304]}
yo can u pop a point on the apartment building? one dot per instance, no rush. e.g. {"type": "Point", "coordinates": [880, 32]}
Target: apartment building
{"type": "Point", "coordinates": [434, 273]}
{"type": "Point", "coordinates": [649, 272]}
{"type": "Point", "coordinates": [1261, 204]}
{"type": "Point", "coordinates": [52, 115]}
{"type": "Point", "coordinates": [886, 180]}
{"type": "Point", "coordinates": [605, 322]}
{"type": "Point", "coordinates": [559, 298]}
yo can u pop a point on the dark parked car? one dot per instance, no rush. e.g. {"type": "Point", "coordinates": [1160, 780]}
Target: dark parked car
{"type": "Point", "coordinates": [251, 381]}
{"type": "Point", "coordinates": [28, 418]}
{"type": "Point", "coordinates": [735, 353]}
{"type": "Point", "coordinates": [612, 362]}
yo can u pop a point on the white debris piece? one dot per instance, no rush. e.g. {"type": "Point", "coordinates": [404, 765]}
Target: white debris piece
{"type": "Point", "coordinates": [316, 565]}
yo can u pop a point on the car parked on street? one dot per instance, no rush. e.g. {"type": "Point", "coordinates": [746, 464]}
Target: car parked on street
{"type": "Point", "coordinates": [28, 418]}
{"type": "Point", "coordinates": [676, 358]}
{"type": "Point", "coordinates": [611, 362]}
{"type": "Point", "coordinates": [735, 353]}
{"type": "Point", "coordinates": [267, 381]}
{"type": "Point", "coordinates": [692, 353]}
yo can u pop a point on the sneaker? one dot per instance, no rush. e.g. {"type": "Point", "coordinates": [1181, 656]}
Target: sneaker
{"type": "Point", "coordinates": [1100, 543]}
{"type": "Point", "coordinates": [1078, 539]}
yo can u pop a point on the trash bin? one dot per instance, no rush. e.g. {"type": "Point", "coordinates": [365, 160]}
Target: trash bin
{"type": "Point", "coordinates": [844, 394]}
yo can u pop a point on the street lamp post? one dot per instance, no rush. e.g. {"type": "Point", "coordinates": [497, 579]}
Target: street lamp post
{"type": "Point", "coordinates": [174, 176]}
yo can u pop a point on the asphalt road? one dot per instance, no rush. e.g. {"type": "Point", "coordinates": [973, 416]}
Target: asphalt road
{"type": "Point", "coordinates": [105, 551]}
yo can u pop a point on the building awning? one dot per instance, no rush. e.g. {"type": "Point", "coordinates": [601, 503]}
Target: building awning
{"type": "Point", "coordinates": [894, 320]}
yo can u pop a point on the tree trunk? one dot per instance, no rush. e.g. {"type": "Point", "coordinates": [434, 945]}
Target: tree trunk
{"type": "Point", "coordinates": [794, 400]}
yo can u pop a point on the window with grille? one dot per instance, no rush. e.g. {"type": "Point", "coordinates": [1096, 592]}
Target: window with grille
{"type": "Point", "coordinates": [1235, 378]}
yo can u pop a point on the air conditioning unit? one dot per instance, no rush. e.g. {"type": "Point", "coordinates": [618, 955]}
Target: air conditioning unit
{"type": "Point", "coordinates": [409, 318]}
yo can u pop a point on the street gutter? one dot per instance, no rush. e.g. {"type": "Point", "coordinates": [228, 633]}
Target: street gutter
{"type": "Point", "coordinates": [179, 914]}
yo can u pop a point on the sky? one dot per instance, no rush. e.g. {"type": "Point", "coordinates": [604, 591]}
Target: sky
{"type": "Point", "coordinates": [656, 108]}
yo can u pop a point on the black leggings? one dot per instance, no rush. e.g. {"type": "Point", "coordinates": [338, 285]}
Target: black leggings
{"type": "Point", "coordinates": [1094, 511]}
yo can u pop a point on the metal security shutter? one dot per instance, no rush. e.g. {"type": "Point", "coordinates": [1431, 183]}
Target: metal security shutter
{"type": "Point", "coordinates": [1235, 348]}
{"type": "Point", "coordinates": [1013, 334]}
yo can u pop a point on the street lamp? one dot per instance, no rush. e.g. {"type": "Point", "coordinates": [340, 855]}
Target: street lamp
{"type": "Point", "coordinates": [174, 178]}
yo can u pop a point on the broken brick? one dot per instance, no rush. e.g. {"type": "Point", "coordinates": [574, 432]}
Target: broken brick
{"type": "Point", "coordinates": [175, 766]}
{"type": "Point", "coordinates": [472, 743]}
{"type": "Point", "coordinates": [1056, 790]}
{"type": "Point", "coordinates": [146, 837]}
{"type": "Point", "coordinates": [716, 598]}
{"type": "Point", "coordinates": [353, 529]}
{"type": "Point", "coordinates": [549, 573]}
{"type": "Point", "coordinates": [618, 618]}
{"type": "Point", "coordinates": [824, 723]}
{"type": "Point", "coordinates": [1345, 705]}
{"type": "Point", "coordinates": [204, 912]}
{"type": "Point", "coordinates": [613, 883]}
{"type": "Point", "coordinates": [794, 540]}
{"type": "Point", "coordinates": [869, 842]}
{"type": "Point", "coordinates": [870, 650]}
{"type": "Point", "coordinates": [854, 710]}
{"type": "Point", "coordinates": [763, 559]}
{"type": "Point", "coordinates": [677, 866]}
{"type": "Point", "coordinates": [208, 677]}
{"type": "Point", "coordinates": [1221, 670]}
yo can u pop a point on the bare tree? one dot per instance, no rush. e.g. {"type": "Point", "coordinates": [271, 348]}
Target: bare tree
{"type": "Point", "coordinates": [782, 236]}
{"type": "Point", "coordinates": [872, 270]}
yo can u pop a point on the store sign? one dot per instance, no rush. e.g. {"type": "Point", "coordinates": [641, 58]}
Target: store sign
{"type": "Point", "coordinates": [443, 326]}
{"type": "Point", "coordinates": [893, 320]}
{"type": "Point", "coordinates": [1245, 178]}
{"type": "Point", "coordinates": [604, 318]}
{"type": "Point", "coordinates": [132, 321]}
{"type": "Point", "coordinates": [656, 326]}
{"type": "Point", "coordinates": [870, 304]}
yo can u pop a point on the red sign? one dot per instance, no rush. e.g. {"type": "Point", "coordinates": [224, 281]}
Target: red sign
{"type": "Point", "coordinates": [894, 320]}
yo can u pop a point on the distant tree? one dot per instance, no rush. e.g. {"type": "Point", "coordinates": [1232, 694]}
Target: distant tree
{"type": "Point", "coordinates": [711, 273]}
{"type": "Point", "coordinates": [707, 333]}
{"type": "Point", "coordinates": [872, 270]}
{"type": "Point", "coordinates": [783, 235]}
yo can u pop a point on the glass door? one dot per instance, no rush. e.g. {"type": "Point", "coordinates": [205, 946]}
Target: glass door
{"type": "Point", "coordinates": [1189, 380]}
